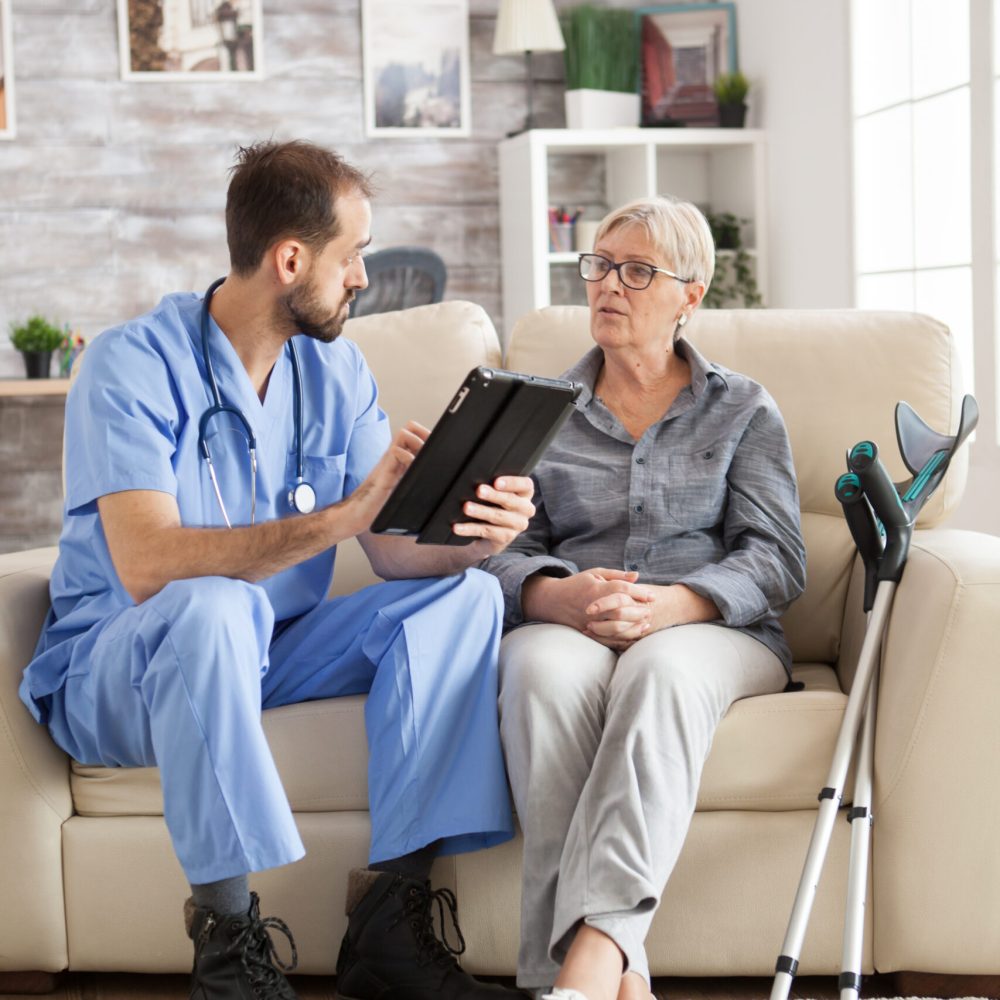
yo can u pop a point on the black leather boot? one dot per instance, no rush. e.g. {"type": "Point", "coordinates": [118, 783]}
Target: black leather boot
{"type": "Point", "coordinates": [391, 950]}
{"type": "Point", "coordinates": [234, 957]}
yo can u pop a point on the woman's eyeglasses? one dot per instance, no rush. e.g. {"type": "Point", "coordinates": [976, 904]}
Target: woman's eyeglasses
{"type": "Point", "coordinates": [634, 274]}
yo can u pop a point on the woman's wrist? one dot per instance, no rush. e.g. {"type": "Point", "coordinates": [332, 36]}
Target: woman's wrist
{"type": "Point", "coordinates": [677, 604]}
{"type": "Point", "coordinates": [534, 592]}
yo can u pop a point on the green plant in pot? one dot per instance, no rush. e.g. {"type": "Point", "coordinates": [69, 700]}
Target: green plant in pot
{"type": "Point", "coordinates": [731, 94]}
{"type": "Point", "coordinates": [36, 339]}
{"type": "Point", "coordinates": [602, 67]}
{"type": "Point", "coordinates": [734, 283]}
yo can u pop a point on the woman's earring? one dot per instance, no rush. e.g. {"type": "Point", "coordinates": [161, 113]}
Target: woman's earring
{"type": "Point", "coordinates": [682, 319]}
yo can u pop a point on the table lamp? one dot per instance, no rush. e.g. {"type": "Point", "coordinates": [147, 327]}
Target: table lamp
{"type": "Point", "coordinates": [527, 26]}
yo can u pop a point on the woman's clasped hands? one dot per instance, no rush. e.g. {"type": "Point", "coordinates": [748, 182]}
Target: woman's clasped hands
{"type": "Point", "coordinates": [608, 605]}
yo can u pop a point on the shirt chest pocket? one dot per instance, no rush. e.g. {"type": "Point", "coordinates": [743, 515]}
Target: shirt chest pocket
{"type": "Point", "coordinates": [696, 487]}
{"type": "Point", "coordinates": [324, 473]}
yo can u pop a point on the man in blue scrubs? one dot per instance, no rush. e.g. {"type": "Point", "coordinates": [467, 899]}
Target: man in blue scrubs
{"type": "Point", "coordinates": [189, 594]}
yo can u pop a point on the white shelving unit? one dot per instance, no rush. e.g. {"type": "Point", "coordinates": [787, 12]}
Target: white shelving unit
{"type": "Point", "coordinates": [719, 169]}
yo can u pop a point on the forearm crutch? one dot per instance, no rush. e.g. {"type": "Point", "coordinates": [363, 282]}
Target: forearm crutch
{"type": "Point", "coordinates": [868, 496]}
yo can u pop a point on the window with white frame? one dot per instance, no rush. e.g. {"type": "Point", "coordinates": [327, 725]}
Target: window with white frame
{"type": "Point", "coordinates": [912, 161]}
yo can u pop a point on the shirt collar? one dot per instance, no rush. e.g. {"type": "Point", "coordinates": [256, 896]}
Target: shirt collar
{"type": "Point", "coordinates": [701, 368]}
{"type": "Point", "coordinates": [586, 370]}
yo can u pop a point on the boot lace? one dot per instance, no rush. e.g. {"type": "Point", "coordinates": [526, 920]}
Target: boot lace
{"type": "Point", "coordinates": [418, 910]}
{"type": "Point", "coordinates": [264, 969]}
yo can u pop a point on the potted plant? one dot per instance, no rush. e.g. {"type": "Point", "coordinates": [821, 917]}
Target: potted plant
{"type": "Point", "coordinates": [36, 339]}
{"type": "Point", "coordinates": [730, 94]}
{"type": "Point", "coordinates": [734, 283]}
{"type": "Point", "coordinates": [602, 67]}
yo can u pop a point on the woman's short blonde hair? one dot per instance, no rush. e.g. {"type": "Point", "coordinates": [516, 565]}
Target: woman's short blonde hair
{"type": "Point", "coordinates": [677, 228]}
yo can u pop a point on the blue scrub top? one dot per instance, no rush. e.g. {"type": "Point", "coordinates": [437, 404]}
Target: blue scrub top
{"type": "Point", "coordinates": [132, 424]}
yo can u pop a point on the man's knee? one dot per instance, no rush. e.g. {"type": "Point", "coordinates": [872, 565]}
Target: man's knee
{"type": "Point", "coordinates": [217, 619]}
{"type": "Point", "coordinates": [208, 601]}
{"type": "Point", "coordinates": [482, 591]}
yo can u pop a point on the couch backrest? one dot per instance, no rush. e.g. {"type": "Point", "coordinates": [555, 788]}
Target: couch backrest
{"type": "Point", "coordinates": [836, 376]}
{"type": "Point", "coordinates": [419, 356]}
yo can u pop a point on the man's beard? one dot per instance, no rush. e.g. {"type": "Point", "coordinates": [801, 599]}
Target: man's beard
{"type": "Point", "coordinates": [301, 307]}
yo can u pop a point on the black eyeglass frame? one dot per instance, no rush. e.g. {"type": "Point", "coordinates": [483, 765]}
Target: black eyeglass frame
{"type": "Point", "coordinates": [612, 266]}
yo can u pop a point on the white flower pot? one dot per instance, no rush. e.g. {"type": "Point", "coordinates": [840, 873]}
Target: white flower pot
{"type": "Point", "coordinates": [601, 109]}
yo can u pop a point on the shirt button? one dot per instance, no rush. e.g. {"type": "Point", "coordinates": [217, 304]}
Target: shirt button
{"type": "Point", "coordinates": [633, 566]}
{"type": "Point", "coordinates": [708, 454]}
{"type": "Point", "coordinates": [638, 508]}
{"type": "Point", "coordinates": [640, 461]}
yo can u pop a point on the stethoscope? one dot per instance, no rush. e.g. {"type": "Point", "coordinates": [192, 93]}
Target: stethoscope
{"type": "Point", "coordinates": [301, 496]}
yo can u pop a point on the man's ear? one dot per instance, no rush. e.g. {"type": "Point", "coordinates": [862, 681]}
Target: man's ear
{"type": "Point", "coordinates": [290, 260]}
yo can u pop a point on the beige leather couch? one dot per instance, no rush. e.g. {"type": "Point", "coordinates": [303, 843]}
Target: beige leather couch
{"type": "Point", "coordinates": [89, 881]}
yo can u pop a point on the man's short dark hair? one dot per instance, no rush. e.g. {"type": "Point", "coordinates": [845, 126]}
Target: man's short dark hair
{"type": "Point", "coordinates": [285, 190]}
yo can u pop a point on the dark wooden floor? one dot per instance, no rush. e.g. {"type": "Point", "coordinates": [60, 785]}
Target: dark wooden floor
{"type": "Point", "coordinates": [87, 986]}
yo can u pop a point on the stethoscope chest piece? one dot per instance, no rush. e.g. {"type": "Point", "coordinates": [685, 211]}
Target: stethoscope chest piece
{"type": "Point", "coordinates": [302, 498]}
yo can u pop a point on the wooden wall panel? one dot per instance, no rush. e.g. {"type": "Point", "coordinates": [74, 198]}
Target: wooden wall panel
{"type": "Point", "coordinates": [30, 484]}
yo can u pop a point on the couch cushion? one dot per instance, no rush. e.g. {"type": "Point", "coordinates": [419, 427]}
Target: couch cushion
{"type": "Point", "coordinates": [770, 753]}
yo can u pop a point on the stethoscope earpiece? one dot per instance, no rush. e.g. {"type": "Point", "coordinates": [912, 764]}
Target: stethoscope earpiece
{"type": "Point", "coordinates": [301, 495]}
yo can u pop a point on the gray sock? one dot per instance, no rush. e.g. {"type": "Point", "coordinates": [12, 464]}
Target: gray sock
{"type": "Point", "coordinates": [416, 865]}
{"type": "Point", "coordinates": [226, 897]}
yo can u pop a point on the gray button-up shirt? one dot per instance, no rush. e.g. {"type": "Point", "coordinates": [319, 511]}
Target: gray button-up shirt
{"type": "Point", "coordinates": [706, 498]}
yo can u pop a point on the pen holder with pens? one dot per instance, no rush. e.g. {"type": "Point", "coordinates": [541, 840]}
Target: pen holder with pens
{"type": "Point", "coordinates": [562, 229]}
{"type": "Point", "coordinates": [561, 236]}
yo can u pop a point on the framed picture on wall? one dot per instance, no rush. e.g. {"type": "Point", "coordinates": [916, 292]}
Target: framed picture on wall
{"type": "Point", "coordinates": [189, 39]}
{"type": "Point", "coordinates": [7, 130]}
{"type": "Point", "coordinates": [683, 48]}
{"type": "Point", "coordinates": [416, 67]}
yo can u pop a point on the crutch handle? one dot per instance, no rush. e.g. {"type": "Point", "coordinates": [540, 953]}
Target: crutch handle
{"type": "Point", "coordinates": [860, 518]}
{"type": "Point", "coordinates": [877, 485]}
{"type": "Point", "coordinates": [865, 530]}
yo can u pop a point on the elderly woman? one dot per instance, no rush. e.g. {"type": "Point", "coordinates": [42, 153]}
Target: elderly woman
{"type": "Point", "coordinates": [647, 591]}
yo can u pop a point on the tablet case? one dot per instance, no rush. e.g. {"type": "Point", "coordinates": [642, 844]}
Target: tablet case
{"type": "Point", "coordinates": [498, 424]}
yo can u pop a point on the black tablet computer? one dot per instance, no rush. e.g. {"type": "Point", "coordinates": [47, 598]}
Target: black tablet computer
{"type": "Point", "coordinates": [498, 424]}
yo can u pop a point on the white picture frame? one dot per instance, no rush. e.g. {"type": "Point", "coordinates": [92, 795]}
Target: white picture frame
{"type": "Point", "coordinates": [8, 116]}
{"type": "Point", "coordinates": [423, 39]}
{"type": "Point", "coordinates": [194, 42]}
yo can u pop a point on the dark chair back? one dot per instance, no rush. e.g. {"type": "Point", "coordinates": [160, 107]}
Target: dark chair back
{"type": "Point", "coordinates": [400, 277]}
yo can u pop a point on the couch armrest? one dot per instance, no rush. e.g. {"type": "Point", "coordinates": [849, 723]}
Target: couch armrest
{"type": "Point", "coordinates": [35, 795]}
{"type": "Point", "coordinates": [936, 867]}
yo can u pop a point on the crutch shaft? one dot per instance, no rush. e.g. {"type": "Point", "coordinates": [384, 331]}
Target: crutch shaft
{"type": "Point", "coordinates": [832, 794]}
{"type": "Point", "coordinates": [857, 878]}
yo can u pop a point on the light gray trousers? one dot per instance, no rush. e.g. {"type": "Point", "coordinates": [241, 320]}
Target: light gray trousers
{"type": "Point", "coordinates": [604, 754]}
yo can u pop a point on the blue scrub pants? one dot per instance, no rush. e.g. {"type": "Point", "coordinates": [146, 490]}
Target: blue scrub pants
{"type": "Point", "coordinates": [179, 681]}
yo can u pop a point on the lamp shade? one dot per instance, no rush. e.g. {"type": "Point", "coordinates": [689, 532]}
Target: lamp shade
{"type": "Point", "coordinates": [527, 26]}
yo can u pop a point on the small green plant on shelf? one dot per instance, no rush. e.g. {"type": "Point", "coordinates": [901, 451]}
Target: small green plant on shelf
{"type": "Point", "coordinates": [601, 51]}
{"type": "Point", "coordinates": [36, 336]}
{"type": "Point", "coordinates": [734, 283]}
{"type": "Point", "coordinates": [731, 88]}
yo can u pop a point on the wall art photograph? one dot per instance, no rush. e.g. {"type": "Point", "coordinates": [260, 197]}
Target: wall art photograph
{"type": "Point", "coordinates": [6, 73]}
{"type": "Point", "coordinates": [189, 39]}
{"type": "Point", "coordinates": [416, 67]}
{"type": "Point", "coordinates": [684, 47]}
